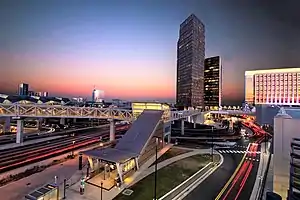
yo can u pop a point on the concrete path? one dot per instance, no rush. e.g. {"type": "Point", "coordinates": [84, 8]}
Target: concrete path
{"type": "Point", "coordinates": [17, 190]}
{"type": "Point", "coordinates": [92, 193]}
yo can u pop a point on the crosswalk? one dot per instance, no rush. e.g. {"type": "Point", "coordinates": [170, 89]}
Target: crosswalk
{"type": "Point", "coordinates": [238, 151]}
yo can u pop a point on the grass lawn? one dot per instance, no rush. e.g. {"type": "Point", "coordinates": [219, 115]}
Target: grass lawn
{"type": "Point", "coordinates": [167, 178]}
{"type": "Point", "coordinates": [172, 152]}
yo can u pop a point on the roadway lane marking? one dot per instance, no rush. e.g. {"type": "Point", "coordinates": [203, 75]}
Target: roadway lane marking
{"type": "Point", "coordinates": [232, 177]}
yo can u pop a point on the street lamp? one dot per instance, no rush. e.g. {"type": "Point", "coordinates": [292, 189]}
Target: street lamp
{"type": "Point", "coordinates": [155, 172]}
{"type": "Point", "coordinates": [212, 144]}
{"type": "Point", "coordinates": [101, 190]}
{"type": "Point", "coordinates": [73, 149]}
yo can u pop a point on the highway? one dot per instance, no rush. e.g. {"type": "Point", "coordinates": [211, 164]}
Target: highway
{"type": "Point", "coordinates": [24, 155]}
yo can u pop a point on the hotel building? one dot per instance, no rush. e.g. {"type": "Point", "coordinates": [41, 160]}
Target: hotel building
{"type": "Point", "coordinates": [213, 83]}
{"type": "Point", "coordinates": [273, 86]}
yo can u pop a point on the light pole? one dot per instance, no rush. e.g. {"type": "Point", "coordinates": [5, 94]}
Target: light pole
{"type": "Point", "coordinates": [212, 144]}
{"type": "Point", "coordinates": [155, 172]}
{"type": "Point", "coordinates": [101, 190]}
{"type": "Point", "coordinates": [73, 149]}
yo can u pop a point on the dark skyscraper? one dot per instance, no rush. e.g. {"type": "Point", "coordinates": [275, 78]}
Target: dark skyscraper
{"type": "Point", "coordinates": [190, 63]}
{"type": "Point", "coordinates": [23, 89]}
{"type": "Point", "coordinates": [213, 82]}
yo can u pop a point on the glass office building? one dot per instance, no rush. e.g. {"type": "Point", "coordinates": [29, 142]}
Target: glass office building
{"type": "Point", "coordinates": [190, 63]}
{"type": "Point", "coordinates": [213, 83]}
{"type": "Point", "coordinates": [273, 86]}
{"type": "Point", "coordinates": [23, 89]}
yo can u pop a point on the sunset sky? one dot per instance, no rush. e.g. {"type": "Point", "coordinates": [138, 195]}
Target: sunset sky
{"type": "Point", "coordinates": [129, 49]}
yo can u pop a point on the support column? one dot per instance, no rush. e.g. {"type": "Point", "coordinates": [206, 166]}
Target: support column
{"type": "Point", "coordinates": [182, 126]}
{"type": "Point", "coordinates": [195, 120]}
{"type": "Point", "coordinates": [20, 127]}
{"type": "Point", "coordinates": [39, 123]}
{"type": "Point", "coordinates": [62, 121]}
{"type": "Point", "coordinates": [90, 160]}
{"type": "Point", "coordinates": [6, 125]}
{"type": "Point", "coordinates": [112, 128]}
{"type": "Point", "coordinates": [137, 163]}
{"type": "Point", "coordinates": [119, 168]}
{"type": "Point", "coordinates": [74, 120]}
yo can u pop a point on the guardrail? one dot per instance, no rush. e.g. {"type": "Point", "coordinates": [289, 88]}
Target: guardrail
{"type": "Point", "coordinates": [264, 178]}
{"type": "Point", "coordinates": [177, 190]}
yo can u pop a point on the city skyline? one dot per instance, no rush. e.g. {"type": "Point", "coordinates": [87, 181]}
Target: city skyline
{"type": "Point", "coordinates": [131, 54]}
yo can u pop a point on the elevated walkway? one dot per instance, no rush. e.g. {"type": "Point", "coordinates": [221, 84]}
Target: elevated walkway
{"type": "Point", "coordinates": [132, 146]}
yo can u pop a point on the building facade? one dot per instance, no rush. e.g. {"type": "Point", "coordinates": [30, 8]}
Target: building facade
{"type": "Point", "coordinates": [190, 63]}
{"type": "Point", "coordinates": [273, 86]}
{"type": "Point", "coordinates": [23, 89]}
{"type": "Point", "coordinates": [97, 96]}
{"type": "Point", "coordinates": [286, 128]}
{"type": "Point", "coordinates": [213, 83]}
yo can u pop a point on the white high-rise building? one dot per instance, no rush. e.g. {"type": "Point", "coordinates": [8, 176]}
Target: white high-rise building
{"type": "Point", "coordinates": [97, 96]}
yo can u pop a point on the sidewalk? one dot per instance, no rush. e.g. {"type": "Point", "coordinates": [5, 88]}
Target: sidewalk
{"type": "Point", "coordinates": [261, 170]}
{"type": "Point", "coordinates": [17, 190]}
{"type": "Point", "coordinates": [92, 193]}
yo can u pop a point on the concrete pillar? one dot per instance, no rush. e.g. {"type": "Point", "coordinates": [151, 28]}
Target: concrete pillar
{"type": "Point", "coordinates": [74, 120]}
{"type": "Point", "coordinates": [182, 127]}
{"type": "Point", "coordinates": [90, 160]}
{"type": "Point", "coordinates": [6, 125]}
{"type": "Point", "coordinates": [62, 121]}
{"type": "Point", "coordinates": [195, 120]}
{"type": "Point", "coordinates": [136, 160]}
{"type": "Point", "coordinates": [119, 169]}
{"type": "Point", "coordinates": [20, 127]}
{"type": "Point", "coordinates": [39, 123]}
{"type": "Point", "coordinates": [112, 129]}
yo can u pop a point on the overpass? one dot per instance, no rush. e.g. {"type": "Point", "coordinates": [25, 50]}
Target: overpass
{"type": "Point", "coordinates": [232, 112]}
{"type": "Point", "coordinates": [21, 111]}
{"type": "Point", "coordinates": [57, 111]}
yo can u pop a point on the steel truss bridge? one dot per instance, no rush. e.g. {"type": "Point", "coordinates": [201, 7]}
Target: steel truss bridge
{"type": "Point", "coordinates": [54, 111]}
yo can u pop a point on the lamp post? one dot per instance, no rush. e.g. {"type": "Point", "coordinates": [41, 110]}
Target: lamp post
{"type": "Point", "coordinates": [212, 144]}
{"type": "Point", "coordinates": [73, 148]}
{"type": "Point", "coordinates": [101, 190]}
{"type": "Point", "coordinates": [155, 172]}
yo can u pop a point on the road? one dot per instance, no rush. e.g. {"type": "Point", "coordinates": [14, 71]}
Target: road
{"type": "Point", "coordinates": [240, 185]}
{"type": "Point", "coordinates": [24, 155]}
{"type": "Point", "coordinates": [212, 185]}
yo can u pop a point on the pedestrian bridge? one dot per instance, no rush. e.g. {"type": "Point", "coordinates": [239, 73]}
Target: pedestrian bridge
{"type": "Point", "coordinates": [57, 111]}
{"type": "Point", "coordinates": [232, 112]}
